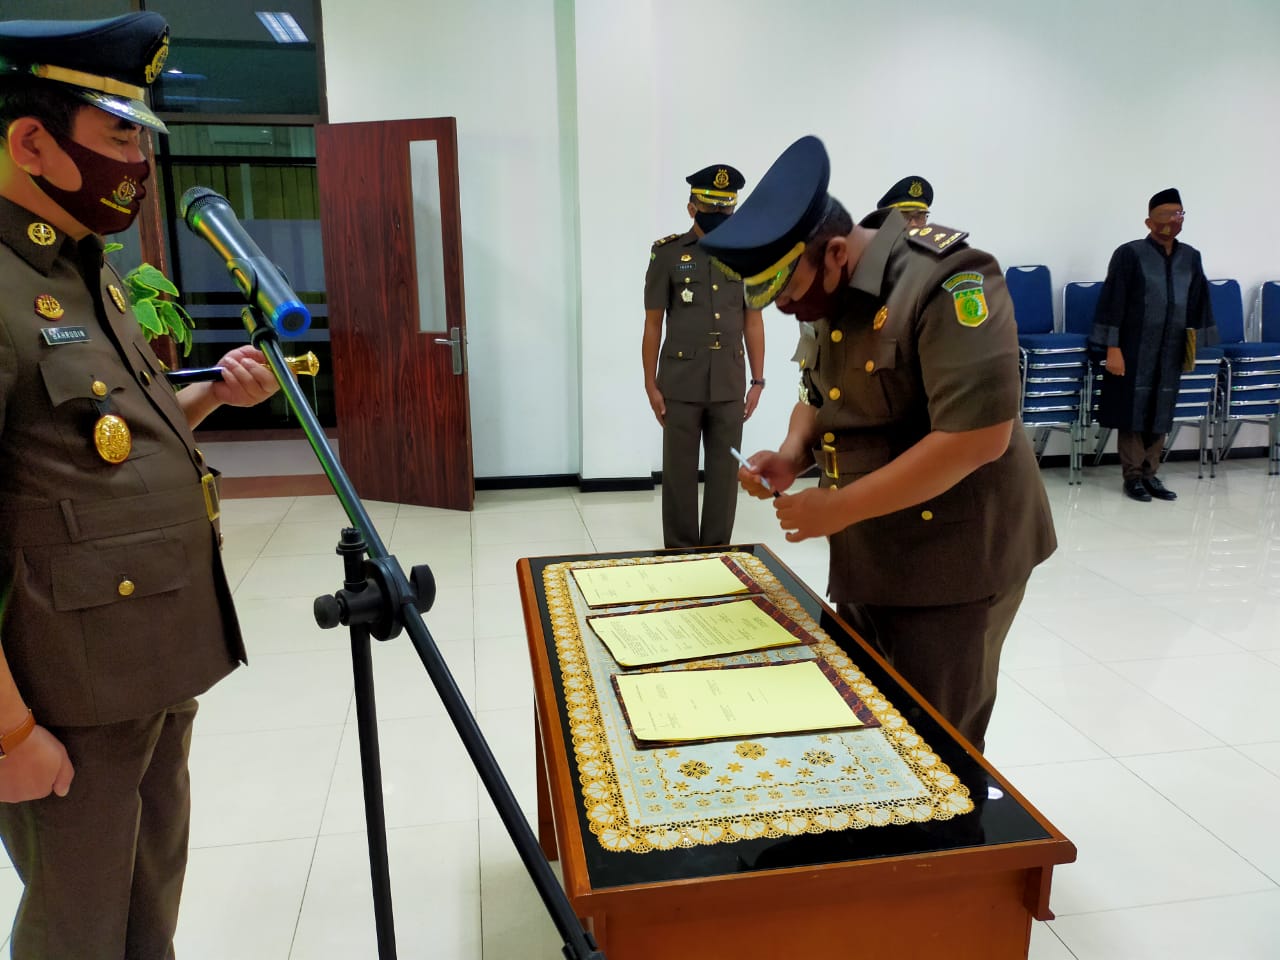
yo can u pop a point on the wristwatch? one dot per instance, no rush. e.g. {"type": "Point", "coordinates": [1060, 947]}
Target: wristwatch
{"type": "Point", "coordinates": [13, 739]}
{"type": "Point", "coordinates": [757, 383]}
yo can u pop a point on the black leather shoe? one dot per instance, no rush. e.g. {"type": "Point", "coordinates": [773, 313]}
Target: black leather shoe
{"type": "Point", "coordinates": [1135, 489]}
{"type": "Point", "coordinates": [1158, 489]}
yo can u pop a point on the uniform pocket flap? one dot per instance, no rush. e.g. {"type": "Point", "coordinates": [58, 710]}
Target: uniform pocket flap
{"type": "Point", "coordinates": [88, 577]}
{"type": "Point", "coordinates": [684, 353]}
{"type": "Point", "coordinates": [66, 381]}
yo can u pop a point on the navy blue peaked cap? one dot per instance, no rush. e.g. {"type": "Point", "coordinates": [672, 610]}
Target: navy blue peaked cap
{"type": "Point", "coordinates": [108, 63]}
{"type": "Point", "coordinates": [762, 242]}
{"type": "Point", "coordinates": [909, 193]}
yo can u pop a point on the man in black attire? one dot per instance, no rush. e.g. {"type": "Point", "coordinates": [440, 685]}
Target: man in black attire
{"type": "Point", "coordinates": [1155, 292]}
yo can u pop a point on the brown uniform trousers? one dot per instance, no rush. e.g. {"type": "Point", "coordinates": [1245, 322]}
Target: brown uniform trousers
{"type": "Point", "coordinates": [702, 377]}
{"type": "Point", "coordinates": [118, 609]}
{"type": "Point", "coordinates": [925, 340]}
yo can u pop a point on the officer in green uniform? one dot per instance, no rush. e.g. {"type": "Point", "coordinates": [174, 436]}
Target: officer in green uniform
{"type": "Point", "coordinates": [912, 197]}
{"type": "Point", "coordinates": [114, 608]}
{"type": "Point", "coordinates": [696, 382]}
{"type": "Point", "coordinates": [929, 490]}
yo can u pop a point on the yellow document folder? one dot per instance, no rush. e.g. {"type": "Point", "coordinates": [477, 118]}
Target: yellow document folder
{"type": "Point", "coordinates": [680, 705]}
{"type": "Point", "coordinates": [650, 582]}
{"type": "Point", "coordinates": [692, 632]}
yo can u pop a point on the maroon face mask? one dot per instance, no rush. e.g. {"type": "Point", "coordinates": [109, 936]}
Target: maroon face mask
{"type": "Point", "coordinates": [816, 303]}
{"type": "Point", "coordinates": [110, 193]}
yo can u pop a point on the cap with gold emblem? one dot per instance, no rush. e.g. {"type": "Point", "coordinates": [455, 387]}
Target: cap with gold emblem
{"type": "Point", "coordinates": [762, 242]}
{"type": "Point", "coordinates": [716, 185]}
{"type": "Point", "coordinates": [909, 193]}
{"type": "Point", "coordinates": [108, 63]}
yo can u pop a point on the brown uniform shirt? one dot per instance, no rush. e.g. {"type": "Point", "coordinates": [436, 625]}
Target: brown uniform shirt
{"type": "Point", "coordinates": [701, 360]}
{"type": "Point", "coordinates": [117, 604]}
{"type": "Point", "coordinates": [925, 340]}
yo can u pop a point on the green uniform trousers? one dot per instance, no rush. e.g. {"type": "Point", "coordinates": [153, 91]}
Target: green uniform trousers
{"type": "Point", "coordinates": [720, 427]}
{"type": "Point", "coordinates": [949, 654]}
{"type": "Point", "coordinates": [103, 866]}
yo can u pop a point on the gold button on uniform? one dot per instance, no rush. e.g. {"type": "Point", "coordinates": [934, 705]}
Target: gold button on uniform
{"type": "Point", "coordinates": [145, 378]}
{"type": "Point", "coordinates": [126, 588]}
{"type": "Point", "coordinates": [834, 393]}
{"type": "Point", "coordinates": [717, 316]}
{"type": "Point", "coordinates": [99, 388]}
{"type": "Point", "coordinates": [715, 286]}
{"type": "Point", "coordinates": [926, 514]}
{"type": "Point", "coordinates": [869, 366]}
{"type": "Point", "coordinates": [837, 336]}
{"type": "Point", "coordinates": [828, 438]}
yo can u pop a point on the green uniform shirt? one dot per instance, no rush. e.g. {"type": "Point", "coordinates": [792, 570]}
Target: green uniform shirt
{"type": "Point", "coordinates": [701, 360]}
{"type": "Point", "coordinates": [925, 340]}
{"type": "Point", "coordinates": [117, 604]}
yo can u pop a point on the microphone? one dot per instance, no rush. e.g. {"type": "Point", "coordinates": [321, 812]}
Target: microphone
{"type": "Point", "coordinates": [209, 215]}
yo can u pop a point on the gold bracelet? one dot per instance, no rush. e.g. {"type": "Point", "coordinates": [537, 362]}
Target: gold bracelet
{"type": "Point", "coordinates": [13, 739]}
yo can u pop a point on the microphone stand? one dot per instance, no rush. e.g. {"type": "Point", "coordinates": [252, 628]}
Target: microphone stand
{"type": "Point", "coordinates": [378, 600]}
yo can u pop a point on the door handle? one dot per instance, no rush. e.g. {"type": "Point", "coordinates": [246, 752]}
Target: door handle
{"type": "Point", "coordinates": [454, 340]}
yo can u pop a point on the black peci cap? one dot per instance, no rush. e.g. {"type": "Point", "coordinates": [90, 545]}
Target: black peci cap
{"type": "Point", "coordinates": [107, 63]}
{"type": "Point", "coordinates": [909, 193]}
{"type": "Point", "coordinates": [1164, 196]}
{"type": "Point", "coordinates": [763, 240]}
{"type": "Point", "coordinates": [716, 185]}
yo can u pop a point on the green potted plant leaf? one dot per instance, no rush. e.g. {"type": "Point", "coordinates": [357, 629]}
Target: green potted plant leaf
{"type": "Point", "coordinates": [158, 316]}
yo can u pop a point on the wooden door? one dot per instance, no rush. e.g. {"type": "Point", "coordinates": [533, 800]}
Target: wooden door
{"type": "Point", "coordinates": [404, 421]}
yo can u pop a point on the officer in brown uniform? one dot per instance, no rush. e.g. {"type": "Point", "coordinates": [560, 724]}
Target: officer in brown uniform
{"type": "Point", "coordinates": [114, 608]}
{"type": "Point", "coordinates": [911, 196]}
{"type": "Point", "coordinates": [929, 494]}
{"type": "Point", "coordinates": [696, 383]}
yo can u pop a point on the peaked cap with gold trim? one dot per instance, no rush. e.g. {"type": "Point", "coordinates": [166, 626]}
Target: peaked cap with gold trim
{"type": "Point", "coordinates": [107, 63]}
{"type": "Point", "coordinates": [716, 185]}
{"type": "Point", "coordinates": [762, 242]}
{"type": "Point", "coordinates": [909, 193]}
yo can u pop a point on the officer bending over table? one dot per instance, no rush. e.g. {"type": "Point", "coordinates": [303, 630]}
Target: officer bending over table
{"type": "Point", "coordinates": [929, 494]}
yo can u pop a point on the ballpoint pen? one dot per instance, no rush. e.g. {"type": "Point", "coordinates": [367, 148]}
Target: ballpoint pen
{"type": "Point", "coordinates": [746, 463]}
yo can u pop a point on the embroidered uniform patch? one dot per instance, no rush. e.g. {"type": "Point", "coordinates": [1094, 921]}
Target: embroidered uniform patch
{"type": "Point", "coordinates": [971, 307]}
{"type": "Point", "coordinates": [971, 302]}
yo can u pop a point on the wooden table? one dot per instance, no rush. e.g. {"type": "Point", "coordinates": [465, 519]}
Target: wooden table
{"type": "Point", "coordinates": [963, 888]}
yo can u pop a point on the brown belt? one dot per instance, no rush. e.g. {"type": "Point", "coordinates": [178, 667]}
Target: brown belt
{"type": "Point", "coordinates": [72, 522]}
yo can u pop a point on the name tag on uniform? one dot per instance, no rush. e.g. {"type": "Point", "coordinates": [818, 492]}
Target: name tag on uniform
{"type": "Point", "coordinates": [57, 336]}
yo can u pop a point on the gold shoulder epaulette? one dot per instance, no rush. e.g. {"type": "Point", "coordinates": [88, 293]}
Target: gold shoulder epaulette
{"type": "Point", "coordinates": [936, 239]}
{"type": "Point", "coordinates": [658, 243]}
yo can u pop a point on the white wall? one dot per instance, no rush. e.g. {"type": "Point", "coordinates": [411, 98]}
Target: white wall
{"type": "Point", "coordinates": [493, 65]}
{"type": "Point", "coordinates": [1043, 127]}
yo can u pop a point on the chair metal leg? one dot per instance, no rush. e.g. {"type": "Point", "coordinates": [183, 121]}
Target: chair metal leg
{"type": "Point", "coordinates": [1040, 440]}
{"type": "Point", "coordinates": [1104, 434]}
{"type": "Point", "coordinates": [1229, 437]}
{"type": "Point", "coordinates": [1204, 442]}
{"type": "Point", "coordinates": [1169, 441]}
{"type": "Point", "coordinates": [1077, 446]}
{"type": "Point", "coordinates": [1273, 447]}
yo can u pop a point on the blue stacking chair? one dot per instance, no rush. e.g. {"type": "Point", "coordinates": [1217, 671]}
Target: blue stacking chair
{"type": "Point", "coordinates": [1197, 403]}
{"type": "Point", "coordinates": [1250, 382]}
{"type": "Point", "coordinates": [1079, 304]}
{"type": "Point", "coordinates": [1055, 365]}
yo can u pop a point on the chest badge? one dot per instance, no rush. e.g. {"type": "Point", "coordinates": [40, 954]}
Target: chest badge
{"type": "Point", "coordinates": [686, 295]}
{"type": "Point", "coordinates": [882, 315]}
{"type": "Point", "coordinates": [48, 307]}
{"type": "Point", "coordinates": [685, 257]}
{"type": "Point", "coordinates": [116, 296]}
{"type": "Point", "coordinates": [41, 234]}
{"type": "Point", "coordinates": [112, 439]}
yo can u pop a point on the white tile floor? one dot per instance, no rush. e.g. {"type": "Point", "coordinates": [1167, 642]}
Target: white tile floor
{"type": "Point", "coordinates": [1139, 711]}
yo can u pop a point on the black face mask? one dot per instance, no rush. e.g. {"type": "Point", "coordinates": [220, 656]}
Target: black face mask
{"type": "Point", "coordinates": [110, 193]}
{"type": "Point", "coordinates": [815, 303]}
{"type": "Point", "coordinates": [709, 221]}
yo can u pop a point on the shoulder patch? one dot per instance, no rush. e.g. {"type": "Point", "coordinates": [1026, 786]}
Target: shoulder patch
{"type": "Point", "coordinates": [658, 243]}
{"type": "Point", "coordinates": [936, 239]}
